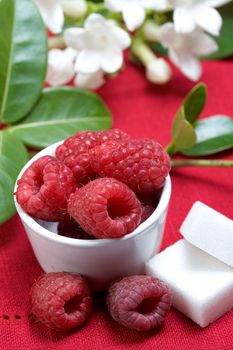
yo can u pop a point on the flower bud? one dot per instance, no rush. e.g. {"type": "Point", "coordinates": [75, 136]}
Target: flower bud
{"type": "Point", "coordinates": [158, 71]}
{"type": "Point", "coordinates": [74, 8]}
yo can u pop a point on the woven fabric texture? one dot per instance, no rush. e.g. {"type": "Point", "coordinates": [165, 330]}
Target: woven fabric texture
{"type": "Point", "coordinates": [140, 109]}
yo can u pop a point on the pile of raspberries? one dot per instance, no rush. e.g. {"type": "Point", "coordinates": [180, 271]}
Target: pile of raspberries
{"type": "Point", "coordinates": [62, 301]}
{"type": "Point", "coordinates": [98, 185]}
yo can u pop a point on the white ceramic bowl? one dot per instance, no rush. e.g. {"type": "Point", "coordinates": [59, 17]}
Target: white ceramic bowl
{"type": "Point", "coordinates": [100, 260]}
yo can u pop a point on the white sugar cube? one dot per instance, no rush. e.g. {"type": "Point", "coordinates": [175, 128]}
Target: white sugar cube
{"type": "Point", "coordinates": [202, 286]}
{"type": "Point", "coordinates": [210, 231]}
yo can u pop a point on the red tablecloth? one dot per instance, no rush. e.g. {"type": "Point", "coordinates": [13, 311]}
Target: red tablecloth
{"type": "Point", "coordinates": [142, 110]}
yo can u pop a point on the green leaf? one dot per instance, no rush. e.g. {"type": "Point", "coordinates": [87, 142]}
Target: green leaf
{"type": "Point", "coordinates": [23, 57]}
{"type": "Point", "coordinates": [194, 102]}
{"type": "Point", "coordinates": [7, 207]}
{"type": "Point", "coordinates": [214, 134]}
{"type": "Point", "coordinates": [61, 112]}
{"type": "Point", "coordinates": [224, 40]}
{"type": "Point", "coordinates": [183, 134]}
{"type": "Point", "coordinates": [13, 156]}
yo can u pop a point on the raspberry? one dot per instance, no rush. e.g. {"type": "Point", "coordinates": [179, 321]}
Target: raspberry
{"type": "Point", "coordinates": [73, 230]}
{"type": "Point", "coordinates": [147, 210]}
{"type": "Point", "coordinates": [105, 208]}
{"type": "Point", "coordinates": [74, 152]}
{"type": "Point", "coordinates": [141, 164]}
{"type": "Point", "coordinates": [139, 302]}
{"type": "Point", "coordinates": [44, 188]}
{"type": "Point", "coordinates": [60, 300]}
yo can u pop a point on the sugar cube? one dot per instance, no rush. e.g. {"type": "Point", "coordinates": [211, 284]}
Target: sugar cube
{"type": "Point", "coordinates": [202, 286]}
{"type": "Point", "coordinates": [210, 231]}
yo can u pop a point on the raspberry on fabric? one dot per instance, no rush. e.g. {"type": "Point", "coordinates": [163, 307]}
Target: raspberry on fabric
{"type": "Point", "coordinates": [72, 229]}
{"type": "Point", "coordinates": [60, 300]}
{"type": "Point", "coordinates": [44, 189]}
{"type": "Point", "coordinates": [141, 164]}
{"type": "Point", "coordinates": [147, 210]}
{"type": "Point", "coordinates": [74, 152]}
{"type": "Point", "coordinates": [105, 208]}
{"type": "Point", "coordinates": [139, 302]}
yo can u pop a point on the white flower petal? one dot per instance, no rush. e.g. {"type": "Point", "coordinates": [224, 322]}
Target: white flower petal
{"type": "Point", "coordinates": [71, 53]}
{"type": "Point", "coordinates": [60, 67]}
{"type": "Point", "coordinates": [216, 3]}
{"type": "Point", "coordinates": [177, 3]}
{"type": "Point", "coordinates": [133, 15]}
{"type": "Point", "coordinates": [158, 5]}
{"type": "Point", "coordinates": [209, 19]}
{"type": "Point", "coordinates": [122, 36]}
{"type": "Point", "coordinates": [75, 38]}
{"type": "Point", "coordinates": [183, 20]}
{"type": "Point", "coordinates": [111, 61]}
{"type": "Point", "coordinates": [90, 81]}
{"type": "Point", "coordinates": [203, 44]}
{"type": "Point", "coordinates": [167, 34]}
{"type": "Point", "coordinates": [52, 14]}
{"type": "Point", "coordinates": [94, 19]}
{"type": "Point", "coordinates": [188, 65]}
{"type": "Point", "coordinates": [114, 5]}
{"type": "Point", "coordinates": [87, 62]}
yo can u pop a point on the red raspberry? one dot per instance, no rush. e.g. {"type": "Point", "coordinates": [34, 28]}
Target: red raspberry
{"type": "Point", "coordinates": [73, 230]}
{"type": "Point", "coordinates": [60, 300]}
{"type": "Point", "coordinates": [44, 188]}
{"type": "Point", "coordinates": [74, 151]}
{"type": "Point", "coordinates": [139, 302]}
{"type": "Point", "coordinates": [147, 210]}
{"type": "Point", "coordinates": [141, 164]}
{"type": "Point", "coordinates": [105, 208]}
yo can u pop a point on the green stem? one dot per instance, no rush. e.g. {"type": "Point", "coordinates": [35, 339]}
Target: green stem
{"type": "Point", "coordinates": [95, 7]}
{"type": "Point", "coordinates": [142, 51]}
{"type": "Point", "coordinates": [150, 31]}
{"type": "Point", "coordinates": [56, 42]}
{"type": "Point", "coordinates": [32, 153]}
{"type": "Point", "coordinates": [202, 163]}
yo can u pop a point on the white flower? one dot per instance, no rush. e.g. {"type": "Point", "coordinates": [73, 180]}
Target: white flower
{"type": "Point", "coordinates": [61, 71]}
{"type": "Point", "coordinates": [133, 11]}
{"type": "Point", "coordinates": [60, 66]}
{"type": "Point", "coordinates": [100, 43]}
{"type": "Point", "coordinates": [184, 48]}
{"type": "Point", "coordinates": [191, 13]}
{"type": "Point", "coordinates": [158, 71]}
{"type": "Point", "coordinates": [52, 12]}
{"type": "Point", "coordinates": [90, 81]}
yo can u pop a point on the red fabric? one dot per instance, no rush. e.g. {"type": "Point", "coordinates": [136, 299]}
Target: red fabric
{"type": "Point", "coordinates": [142, 110]}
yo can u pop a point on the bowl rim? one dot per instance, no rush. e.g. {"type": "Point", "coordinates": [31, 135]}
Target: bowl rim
{"type": "Point", "coordinates": [49, 235]}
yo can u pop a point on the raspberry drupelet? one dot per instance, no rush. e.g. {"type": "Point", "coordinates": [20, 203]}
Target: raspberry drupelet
{"type": "Point", "coordinates": [44, 188]}
{"type": "Point", "coordinates": [105, 208]}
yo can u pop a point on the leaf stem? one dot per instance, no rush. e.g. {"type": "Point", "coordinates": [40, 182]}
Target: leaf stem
{"type": "Point", "coordinates": [202, 163]}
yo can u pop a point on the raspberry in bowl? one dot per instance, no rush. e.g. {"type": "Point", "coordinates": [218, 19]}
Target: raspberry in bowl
{"type": "Point", "coordinates": [123, 233]}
